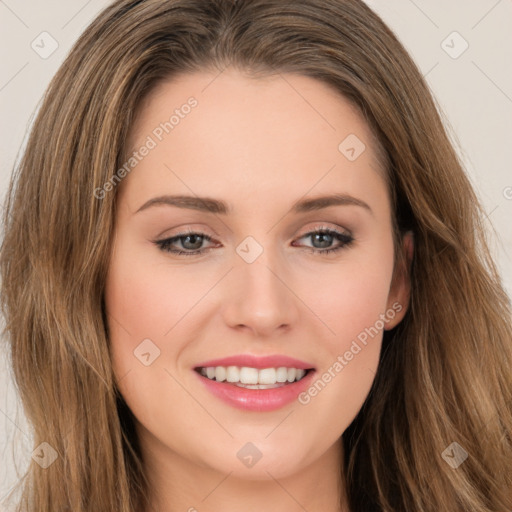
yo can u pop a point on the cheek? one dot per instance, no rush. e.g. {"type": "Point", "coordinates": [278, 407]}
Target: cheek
{"type": "Point", "coordinates": [349, 297]}
{"type": "Point", "coordinates": [146, 299]}
{"type": "Point", "coordinates": [150, 306]}
{"type": "Point", "coordinates": [136, 311]}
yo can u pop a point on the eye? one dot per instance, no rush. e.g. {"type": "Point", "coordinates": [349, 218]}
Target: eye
{"type": "Point", "coordinates": [324, 237]}
{"type": "Point", "coordinates": [191, 242]}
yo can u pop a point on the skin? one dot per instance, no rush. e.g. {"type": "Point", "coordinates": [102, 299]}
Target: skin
{"type": "Point", "coordinates": [260, 145]}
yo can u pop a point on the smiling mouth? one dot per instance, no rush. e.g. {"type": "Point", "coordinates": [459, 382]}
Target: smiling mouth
{"type": "Point", "coordinates": [253, 378]}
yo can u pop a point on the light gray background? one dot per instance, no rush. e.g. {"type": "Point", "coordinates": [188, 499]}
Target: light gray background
{"type": "Point", "coordinates": [474, 92]}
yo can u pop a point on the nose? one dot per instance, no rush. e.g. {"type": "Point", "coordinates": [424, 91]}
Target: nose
{"type": "Point", "coordinates": [259, 299]}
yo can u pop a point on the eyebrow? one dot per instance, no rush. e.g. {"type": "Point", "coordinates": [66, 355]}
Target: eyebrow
{"type": "Point", "coordinates": [216, 206]}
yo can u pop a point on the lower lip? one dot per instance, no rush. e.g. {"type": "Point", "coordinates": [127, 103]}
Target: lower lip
{"type": "Point", "coordinates": [261, 400]}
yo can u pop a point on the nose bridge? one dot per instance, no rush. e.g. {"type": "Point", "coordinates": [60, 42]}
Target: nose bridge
{"type": "Point", "coordinates": [259, 298]}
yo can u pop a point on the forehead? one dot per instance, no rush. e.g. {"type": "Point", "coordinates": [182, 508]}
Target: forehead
{"type": "Point", "coordinates": [262, 131]}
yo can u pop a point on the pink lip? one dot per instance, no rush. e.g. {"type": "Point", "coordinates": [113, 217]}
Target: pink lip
{"type": "Point", "coordinates": [257, 399]}
{"type": "Point", "coordinates": [261, 400]}
{"type": "Point", "coordinates": [257, 362]}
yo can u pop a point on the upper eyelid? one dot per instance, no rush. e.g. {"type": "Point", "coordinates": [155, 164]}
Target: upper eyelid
{"type": "Point", "coordinates": [200, 231]}
{"type": "Point", "coordinates": [342, 231]}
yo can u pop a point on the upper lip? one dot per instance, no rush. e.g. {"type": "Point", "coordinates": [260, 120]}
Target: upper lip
{"type": "Point", "coordinates": [250, 361]}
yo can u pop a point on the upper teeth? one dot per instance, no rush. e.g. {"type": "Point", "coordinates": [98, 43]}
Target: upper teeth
{"type": "Point", "coordinates": [246, 375]}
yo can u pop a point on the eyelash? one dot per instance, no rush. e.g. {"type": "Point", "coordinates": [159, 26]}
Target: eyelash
{"type": "Point", "coordinates": [345, 240]}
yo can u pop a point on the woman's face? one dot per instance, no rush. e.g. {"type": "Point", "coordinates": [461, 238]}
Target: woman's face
{"type": "Point", "coordinates": [260, 153]}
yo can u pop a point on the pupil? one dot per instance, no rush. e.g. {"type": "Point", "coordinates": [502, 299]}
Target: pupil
{"type": "Point", "coordinates": [197, 243]}
{"type": "Point", "coordinates": [327, 242]}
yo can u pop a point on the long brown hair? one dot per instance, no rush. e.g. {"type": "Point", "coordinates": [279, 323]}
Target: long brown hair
{"type": "Point", "coordinates": [445, 373]}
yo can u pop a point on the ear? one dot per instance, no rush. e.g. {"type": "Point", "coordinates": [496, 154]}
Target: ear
{"type": "Point", "coordinates": [400, 290]}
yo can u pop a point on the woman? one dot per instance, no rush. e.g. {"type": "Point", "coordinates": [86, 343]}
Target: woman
{"type": "Point", "coordinates": [243, 268]}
